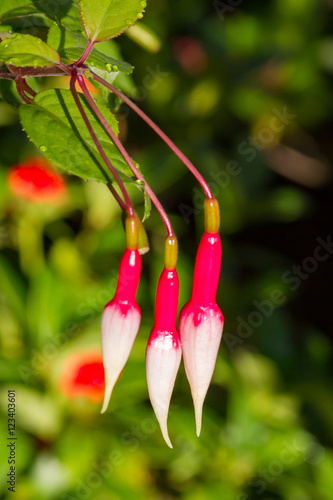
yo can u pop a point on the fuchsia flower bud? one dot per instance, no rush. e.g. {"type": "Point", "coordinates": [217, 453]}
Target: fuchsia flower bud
{"type": "Point", "coordinates": [201, 320]}
{"type": "Point", "coordinates": [163, 351]}
{"type": "Point", "coordinates": [121, 316]}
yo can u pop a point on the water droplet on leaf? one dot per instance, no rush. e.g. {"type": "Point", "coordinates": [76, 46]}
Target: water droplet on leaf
{"type": "Point", "coordinates": [115, 68]}
{"type": "Point", "coordinates": [143, 4]}
{"type": "Point", "coordinates": [108, 67]}
{"type": "Point", "coordinates": [43, 149]}
{"type": "Point", "coordinates": [129, 22]}
{"type": "Point", "coordinates": [140, 15]}
{"type": "Point", "coordinates": [91, 63]}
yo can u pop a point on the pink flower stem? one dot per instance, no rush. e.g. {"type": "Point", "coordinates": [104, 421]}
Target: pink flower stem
{"type": "Point", "coordinates": [65, 68]}
{"type": "Point", "coordinates": [160, 132]}
{"type": "Point", "coordinates": [24, 90]}
{"type": "Point", "coordinates": [86, 53]}
{"type": "Point", "coordinates": [120, 202]}
{"type": "Point", "coordinates": [21, 82]}
{"type": "Point", "coordinates": [127, 157]}
{"type": "Point", "coordinates": [99, 147]}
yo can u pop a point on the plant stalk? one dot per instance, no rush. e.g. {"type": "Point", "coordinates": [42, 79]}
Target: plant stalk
{"type": "Point", "coordinates": [99, 147]}
{"type": "Point", "coordinates": [120, 202]}
{"type": "Point", "coordinates": [86, 53]}
{"type": "Point", "coordinates": [127, 157]}
{"type": "Point", "coordinates": [160, 132]}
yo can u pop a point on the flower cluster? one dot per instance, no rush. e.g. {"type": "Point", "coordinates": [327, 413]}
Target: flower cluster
{"type": "Point", "coordinates": [200, 323]}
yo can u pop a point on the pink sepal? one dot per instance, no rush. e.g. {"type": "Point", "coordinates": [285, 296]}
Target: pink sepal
{"type": "Point", "coordinates": [164, 351]}
{"type": "Point", "coordinates": [120, 322]}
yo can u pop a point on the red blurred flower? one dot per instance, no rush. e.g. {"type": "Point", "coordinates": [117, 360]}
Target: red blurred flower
{"type": "Point", "coordinates": [190, 55]}
{"type": "Point", "coordinates": [83, 375]}
{"type": "Point", "coordinates": [35, 181]}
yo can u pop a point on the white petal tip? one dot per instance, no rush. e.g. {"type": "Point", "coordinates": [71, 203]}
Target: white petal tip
{"type": "Point", "coordinates": [198, 421]}
{"type": "Point", "coordinates": [104, 407]}
{"type": "Point", "coordinates": [162, 420]}
{"type": "Point", "coordinates": [166, 435]}
{"type": "Point", "coordinates": [198, 404]}
{"type": "Point", "coordinates": [107, 397]}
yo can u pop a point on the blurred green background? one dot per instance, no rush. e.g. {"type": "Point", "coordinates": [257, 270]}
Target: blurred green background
{"type": "Point", "coordinates": [244, 88]}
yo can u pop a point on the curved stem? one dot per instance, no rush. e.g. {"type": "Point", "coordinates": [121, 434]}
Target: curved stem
{"type": "Point", "coordinates": [24, 90]}
{"type": "Point", "coordinates": [57, 70]}
{"type": "Point", "coordinates": [160, 132]}
{"type": "Point", "coordinates": [99, 147]}
{"type": "Point", "coordinates": [21, 82]}
{"type": "Point", "coordinates": [127, 157]}
{"type": "Point", "coordinates": [6, 75]}
{"type": "Point", "coordinates": [86, 53]}
{"type": "Point", "coordinates": [120, 202]}
{"type": "Point", "coordinates": [65, 68]}
{"type": "Point", "coordinates": [25, 98]}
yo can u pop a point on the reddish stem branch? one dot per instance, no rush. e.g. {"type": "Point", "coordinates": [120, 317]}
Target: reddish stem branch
{"type": "Point", "coordinates": [99, 147]}
{"type": "Point", "coordinates": [21, 82]}
{"type": "Point", "coordinates": [127, 157]}
{"type": "Point", "coordinates": [25, 98]}
{"type": "Point", "coordinates": [24, 90]}
{"type": "Point", "coordinates": [29, 71]}
{"type": "Point", "coordinates": [86, 53]}
{"type": "Point", "coordinates": [160, 132]}
{"type": "Point", "coordinates": [6, 75]}
{"type": "Point", "coordinates": [120, 202]}
{"type": "Point", "coordinates": [65, 68]}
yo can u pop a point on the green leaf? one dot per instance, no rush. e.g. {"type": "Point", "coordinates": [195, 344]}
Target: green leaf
{"type": "Point", "coordinates": [34, 25]}
{"type": "Point", "coordinates": [27, 50]}
{"type": "Point", "coordinates": [9, 93]}
{"type": "Point", "coordinates": [56, 127]}
{"type": "Point", "coordinates": [109, 18]}
{"type": "Point", "coordinates": [147, 206]}
{"type": "Point", "coordinates": [71, 44]}
{"type": "Point", "coordinates": [123, 81]}
{"type": "Point", "coordinates": [69, 18]}
{"type": "Point", "coordinates": [65, 12]}
{"type": "Point", "coordinates": [146, 199]}
{"type": "Point", "coordinates": [10, 9]}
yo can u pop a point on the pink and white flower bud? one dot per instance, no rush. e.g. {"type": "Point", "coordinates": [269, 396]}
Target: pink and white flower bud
{"type": "Point", "coordinates": [163, 351]}
{"type": "Point", "coordinates": [120, 322]}
{"type": "Point", "coordinates": [201, 322]}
